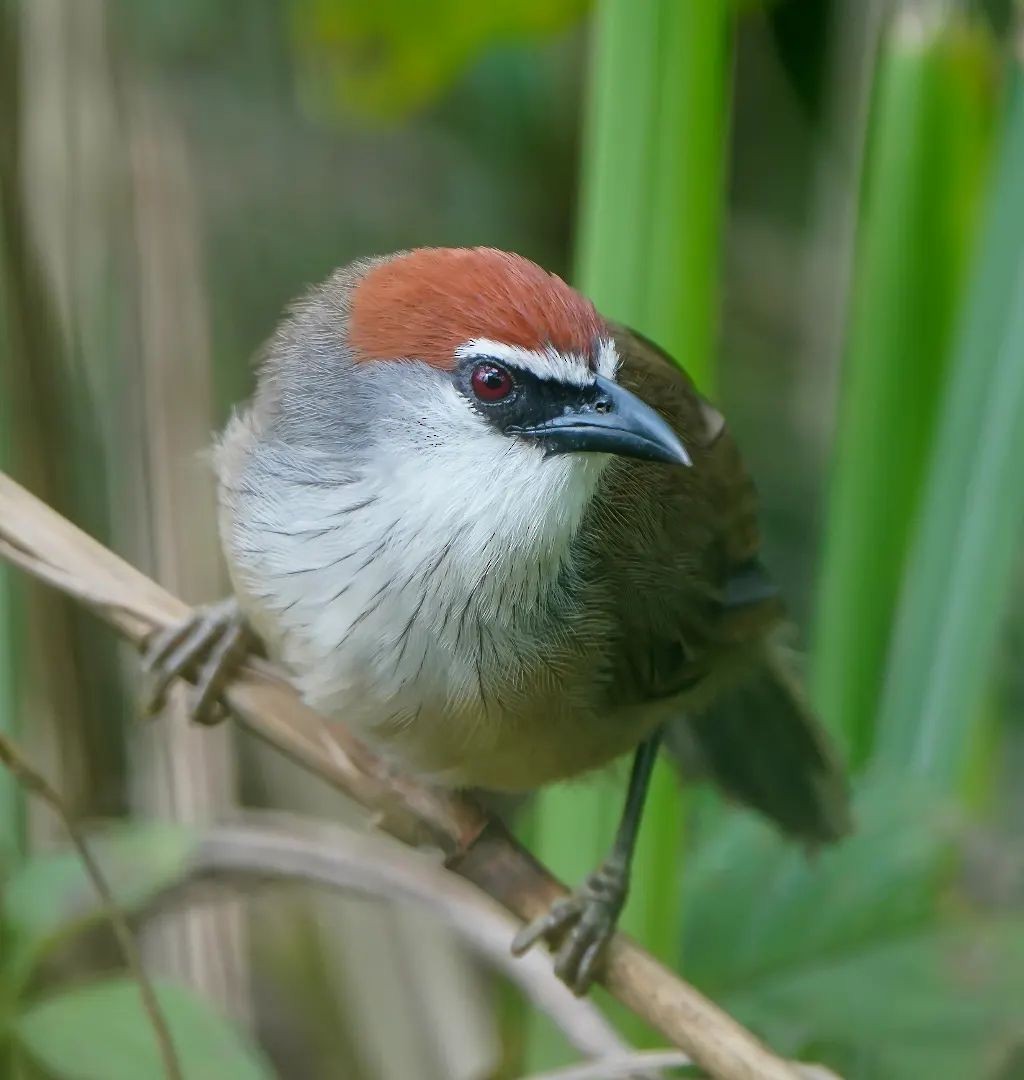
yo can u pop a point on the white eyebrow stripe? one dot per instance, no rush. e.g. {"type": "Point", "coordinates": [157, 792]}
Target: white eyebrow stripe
{"type": "Point", "coordinates": [550, 363]}
{"type": "Point", "coordinates": [607, 359]}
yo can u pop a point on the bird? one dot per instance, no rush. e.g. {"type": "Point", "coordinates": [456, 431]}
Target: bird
{"type": "Point", "coordinates": [506, 541]}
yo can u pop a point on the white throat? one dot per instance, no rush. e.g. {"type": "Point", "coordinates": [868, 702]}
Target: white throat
{"type": "Point", "coordinates": [507, 512]}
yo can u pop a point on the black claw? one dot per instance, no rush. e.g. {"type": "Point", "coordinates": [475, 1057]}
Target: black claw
{"type": "Point", "coordinates": [545, 926]}
{"type": "Point", "coordinates": [588, 938]}
{"type": "Point", "coordinates": [174, 652]}
{"type": "Point", "coordinates": [565, 967]}
{"type": "Point", "coordinates": [156, 661]}
{"type": "Point", "coordinates": [588, 964]}
{"type": "Point", "coordinates": [227, 651]}
{"type": "Point", "coordinates": [214, 637]}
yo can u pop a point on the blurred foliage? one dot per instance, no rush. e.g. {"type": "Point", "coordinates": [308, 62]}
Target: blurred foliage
{"type": "Point", "coordinates": [1000, 14]}
{"type": "Point", "coordinates": [866, 956]}
{"type": "Point", "coordinates": [788, 911]}
{"type": "Point", "coordinates": [927, 161]}
{"type": "Point", "coordinates": [370, 57]}
{"type": "Point", "coordinates": [801, 30]}
{"type": "Point", "coordinates": [99, 1030]}
{"type": "Point", "coordinates": [50, 896]}
{"type": "Point", "coordinates": [972, 506]}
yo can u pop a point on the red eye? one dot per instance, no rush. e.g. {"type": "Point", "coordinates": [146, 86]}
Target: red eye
{"type": "Point", "coordinates": [491, 382]}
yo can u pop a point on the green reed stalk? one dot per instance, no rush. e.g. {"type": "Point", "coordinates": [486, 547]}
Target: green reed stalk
{"type": "Point", "coordinates": [972, 512]}
{"type": "Point", "coordinates": [928, 152]}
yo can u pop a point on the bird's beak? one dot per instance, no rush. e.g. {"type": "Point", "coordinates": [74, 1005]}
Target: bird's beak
{"type": "Point", "coordinates": [614, 421]}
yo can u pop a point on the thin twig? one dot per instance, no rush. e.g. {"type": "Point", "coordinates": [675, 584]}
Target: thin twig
{"type": "Point", "coordinates": [476, 846]}
{"type": "Point", "coordinates": [37, 784]}
{"type": "Point", "coordinates": [620, 1068]}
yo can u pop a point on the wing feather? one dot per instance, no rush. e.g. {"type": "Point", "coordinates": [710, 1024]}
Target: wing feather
{"type": "Point", "coordinates": [698, 610]}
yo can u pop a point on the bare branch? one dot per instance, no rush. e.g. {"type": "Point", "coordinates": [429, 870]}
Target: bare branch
{"type": "Point", "coordinates": [37, 784]}
{"type": "Point", "coordinates": [475, 846]}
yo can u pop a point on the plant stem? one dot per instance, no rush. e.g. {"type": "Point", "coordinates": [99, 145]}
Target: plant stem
{"type": "Point", "coordinates": [37, 784]}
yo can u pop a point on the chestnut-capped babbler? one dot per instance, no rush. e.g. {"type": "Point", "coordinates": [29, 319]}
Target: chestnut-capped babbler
{"type": "Point", "coordinates": [506, 541]}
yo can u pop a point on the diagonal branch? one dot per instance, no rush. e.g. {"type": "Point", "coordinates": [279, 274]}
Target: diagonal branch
{"type": "Point", "coordinates": [475, 846]}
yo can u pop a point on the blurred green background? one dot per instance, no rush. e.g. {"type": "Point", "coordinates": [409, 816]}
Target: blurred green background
{"type": "Point", "coordinates": [816, 205]}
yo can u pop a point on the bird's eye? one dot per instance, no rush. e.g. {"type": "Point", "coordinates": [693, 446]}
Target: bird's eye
{"type": "Point", "coordinates": [491, 382]}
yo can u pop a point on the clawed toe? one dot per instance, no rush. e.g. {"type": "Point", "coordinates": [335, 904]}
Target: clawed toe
{"type": "Point", "coordinates": [547, 926]}
{"type": "Point", "coordinates": [583, 924]}
{"type": "Point", "coordinates": [208, 645]}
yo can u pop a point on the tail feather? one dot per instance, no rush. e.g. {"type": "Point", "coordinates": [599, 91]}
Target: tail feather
{"type": "Point", "coordinates": [761, 743]}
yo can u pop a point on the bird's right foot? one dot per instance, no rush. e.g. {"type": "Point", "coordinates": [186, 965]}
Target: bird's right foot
{"type": "Point", "coordinates": [582, 924]}
{"type": "Point", "coordinates": [207, 647]}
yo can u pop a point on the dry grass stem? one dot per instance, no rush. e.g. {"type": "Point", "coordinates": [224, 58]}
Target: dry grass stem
{"type": "Point", "coordinates": [38, 785]}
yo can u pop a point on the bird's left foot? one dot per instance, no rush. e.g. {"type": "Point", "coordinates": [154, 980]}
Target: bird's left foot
{"type": "Point", "coordinates": [584, 922]}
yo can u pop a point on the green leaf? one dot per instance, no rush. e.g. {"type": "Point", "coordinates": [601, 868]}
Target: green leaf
{"type": "Point", "coordinates": [51, 895]}
{"type": "Point", "coordinates": [802, 34]}
{"type": "Point", "coordinates": [101, 1032]}
{"type": "Point", "coordinates": [757, 904]}
{"type": "Point", "coordinates": [943, 1004]}
{"type": "Point", "coordinates": [652, 189]}
{"type": "Point", "coordinates": [848, 956]}
{"type": "Point", "coordinates": [928, 157]}
{"type": "Point", "coordinates": [973, 509]}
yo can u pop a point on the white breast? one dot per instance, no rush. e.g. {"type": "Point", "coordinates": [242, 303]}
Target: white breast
{"type": "Point", "coordinates": [431, 590]}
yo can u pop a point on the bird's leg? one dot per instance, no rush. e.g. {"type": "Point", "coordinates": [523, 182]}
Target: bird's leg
{"type": "Point", "coordinates": [585, 921]}
{"type": "Point", "coordinates": [208, 645]}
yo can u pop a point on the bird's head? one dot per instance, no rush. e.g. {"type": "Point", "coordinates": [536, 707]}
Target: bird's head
{"type": "Point", "coordinates": [460, 402]}
{"type": "Point", "coordinates": [457, 391]}
{"type": "Point", "coordinates": [489, 337]}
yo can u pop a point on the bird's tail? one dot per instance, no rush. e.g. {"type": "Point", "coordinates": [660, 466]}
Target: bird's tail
{"type": "Point", "coordinates": [761, 742]}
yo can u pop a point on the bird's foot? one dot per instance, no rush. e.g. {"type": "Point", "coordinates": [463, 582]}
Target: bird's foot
{"type": "Point", "coordinates": [583, 923]}
{"type": "Point", "coordinates": [208, 645]}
